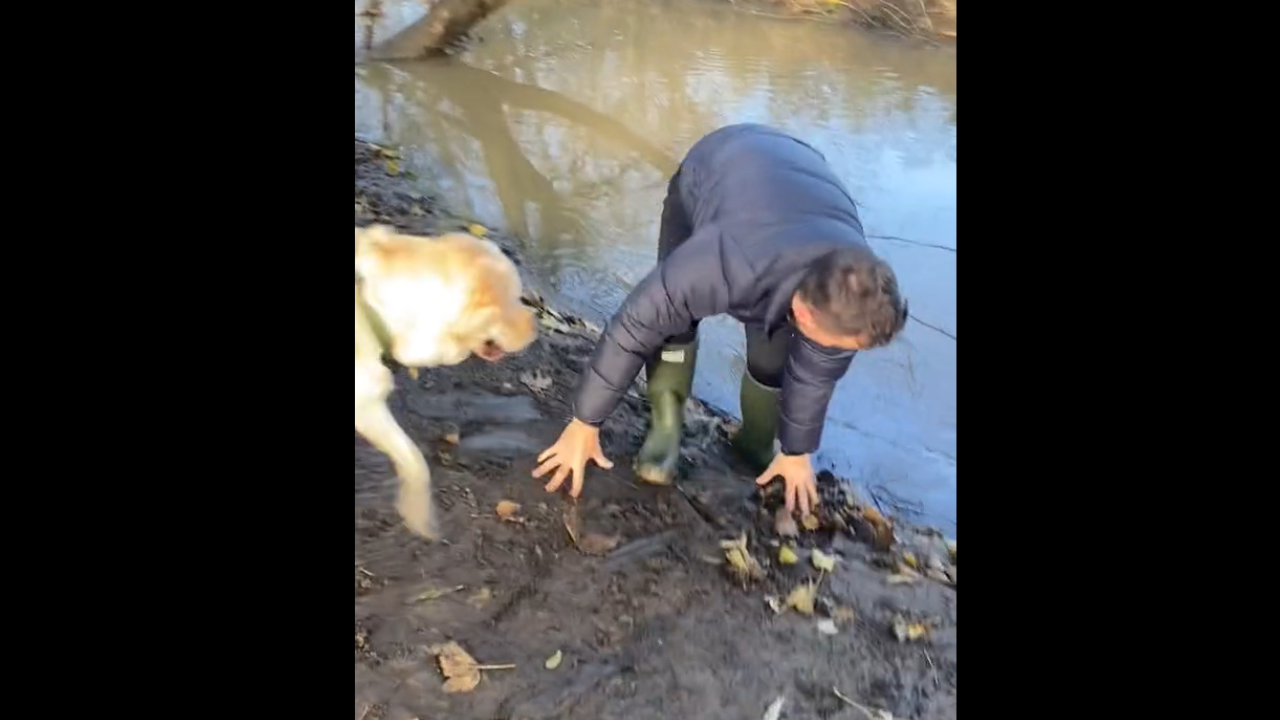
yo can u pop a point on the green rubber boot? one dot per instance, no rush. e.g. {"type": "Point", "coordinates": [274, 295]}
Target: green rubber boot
{"type": "Point", "coordinates": [754, 441]}
{"type": "Point", "coordinates": [670, 380]}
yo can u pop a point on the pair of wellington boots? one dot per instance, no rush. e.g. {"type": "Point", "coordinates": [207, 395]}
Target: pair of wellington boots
{"type": "Point", "coordinates": [670, 381]}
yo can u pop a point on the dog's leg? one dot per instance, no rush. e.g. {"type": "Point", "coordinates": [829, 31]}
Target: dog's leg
{"type": "Point", "coordinates": [375, 422]}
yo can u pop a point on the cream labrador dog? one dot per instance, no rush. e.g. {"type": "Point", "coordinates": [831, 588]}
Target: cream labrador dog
{"type": "Point", "coordinates": [427, 302]}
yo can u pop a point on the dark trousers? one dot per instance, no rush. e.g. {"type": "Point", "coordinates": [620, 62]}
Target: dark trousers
{"type": "Point", "coordinates": [766, 356]}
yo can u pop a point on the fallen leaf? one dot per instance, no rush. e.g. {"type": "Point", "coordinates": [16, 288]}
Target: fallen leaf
{"type": "Point", "coordinates": [597, 544]}
{"type": "Point", "coordinates": [480, 598]}
{"type": "Point", "coordinates": [554, 661]}
{"type": "Point", "coordinates": [452, 438]}
{"type": "Point", "coordinates": [740, 559]}
{"type": "Point", "coordinates": [413, 372]}
{"type": "Point", "coordinates": [393, 167]}
{"type": "Point", "coordinates": [774, 711]}
{"type": "Point", "coordinates": [901, 579]}
{"type": "Point", "coordinates": [910, 559]}
{"type": "Point", "coordinates": [436, 594]}
{"type": "Point", "coordinates": [787, 556]}
{"type": "Point", "coordinates": [507, 509]}
{"type": "Point", "coordinates": [906, 631]}
{"type": "Point", "coordinates": [774, 604]}
{"type": "Point", "coordinates": [461, 672]}
{"type": "Point", "coordinates": [827, 626]}
{"type": "Point", "coordinates": [478, 230]}
{"type": "Point", "coordinates": [802, 598]}
{"type": "Point", "coordinates": [784, 524]}
{"type": "Point", "coordinates": [810, 522]}
{"type": "Point", "coordinates": [822, 561]}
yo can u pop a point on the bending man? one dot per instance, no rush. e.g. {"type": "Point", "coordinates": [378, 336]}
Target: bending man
{"type": "Point", "coordinates": [755, 224]}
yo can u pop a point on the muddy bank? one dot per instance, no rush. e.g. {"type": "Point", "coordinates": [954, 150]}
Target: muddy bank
{"type": "Point", "coordinates": [627, 603]}
{"type": "Point", "coordinates": [920, 19]}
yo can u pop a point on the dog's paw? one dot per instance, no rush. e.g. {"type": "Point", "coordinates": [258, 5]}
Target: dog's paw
{"type": "Point", "coordinates": [418, 512]}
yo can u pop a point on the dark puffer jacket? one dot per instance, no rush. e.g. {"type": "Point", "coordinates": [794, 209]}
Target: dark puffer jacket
{"type": "Point", "coordinates": [763, 206]}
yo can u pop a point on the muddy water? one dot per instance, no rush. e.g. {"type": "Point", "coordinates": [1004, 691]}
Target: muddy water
{"type": "Point", "coordinates": [564, 123]}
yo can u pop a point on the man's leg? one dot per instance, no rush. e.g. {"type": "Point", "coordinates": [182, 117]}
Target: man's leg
{"type": "Point", "coordinates": [761, 387]}
{"type": "Point", "coordinates": [669, 376]}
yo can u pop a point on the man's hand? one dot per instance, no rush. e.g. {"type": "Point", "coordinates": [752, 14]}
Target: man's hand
{"type": "Point", "coordinates": [797, 472]}
{"type": "Point", "coordinates": [577, 444]}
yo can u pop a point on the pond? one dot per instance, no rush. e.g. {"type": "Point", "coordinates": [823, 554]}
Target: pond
{"type": "Point", "coordinates": [563, 123]}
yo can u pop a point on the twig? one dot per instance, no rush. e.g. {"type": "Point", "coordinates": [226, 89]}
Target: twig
{"type": "Point", "coordinates": [872, 714]}
{"type": "Point", "coordinates": [496, 667]}
{"type": "Point", "coordinates": [909, 241]}
{"type": "Point", "coordinates": [936, 681]}
{"type": "Point", "coordinates": [934, 328]}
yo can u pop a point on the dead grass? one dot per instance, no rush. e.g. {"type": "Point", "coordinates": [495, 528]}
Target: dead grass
{"type": "Point", "coordinates": [924, 19]}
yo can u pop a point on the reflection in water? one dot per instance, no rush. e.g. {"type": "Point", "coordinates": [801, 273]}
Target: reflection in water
{"type": "Point", "coordinates": [564, 125]}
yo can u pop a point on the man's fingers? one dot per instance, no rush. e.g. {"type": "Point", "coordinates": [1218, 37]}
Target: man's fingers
{"type": "Point", "coordinates": [765, 477]}
{"type": "Point", "coordinates": [812, 487]}
{"type": "Point", "coordinates": [558, 479]}
{"type": "Point", "coordinates": [578, 472]}
{"type": "Point", "coordinates": [802, 497]}
{"type": "Point", "coordinates": [545, 467]}
{"type": "Point", "coordinates": [553, 450]}
{"type": "Point", "coordinates": [791, 498]}
{"type": "Point", "coordinates": [602, 461]}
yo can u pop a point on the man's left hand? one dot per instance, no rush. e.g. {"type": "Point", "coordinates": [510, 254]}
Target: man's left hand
{"type": "Point", "coordinates": [797, 472]}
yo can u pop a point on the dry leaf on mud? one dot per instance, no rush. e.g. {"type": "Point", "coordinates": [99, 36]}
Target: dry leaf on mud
{"type": "Point", "coordinates": [827, 626]}
{"type": "Point", "coordinates": [774, 604]}
{"type": "Point", "coordinates": [461, 671]}
{"type": "Point", "coordinates": [822, 561]}
{"type": "Point", "coordinates": [480, 598]}
{"type": "Point", "coordinates": [740, 559]}
{"type": "Point", "coordinates": [554, 661]}
{"type": "Point", "coordinates": [393, 167]}
{"type": "Point", "coordinates": [452, 438]}
{"type": "Point", "coordinates": [802, 598]}
{"type": "Point", "coordinates": [507, 509]}
{"type": "Point", "coordinates": [787, 556]}
{"type": "Point", "coordinates": [906, 631]}
{"type": "Point", "coordinates": [478, 230]}
{"type": "Point", "coordinates": [597, 544]}
{"type": "Point", "coordinates": [413, 372]}
{"type": "Point", "coordinates": [909, 558]}
{"type": "Point", "coordinates": [878, 527]}
{"type": "Point", "coordinates": [810, 522]}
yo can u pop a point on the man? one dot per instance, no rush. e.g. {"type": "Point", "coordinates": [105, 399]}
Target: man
{"type": "Point", "coordinates": [755, 224]}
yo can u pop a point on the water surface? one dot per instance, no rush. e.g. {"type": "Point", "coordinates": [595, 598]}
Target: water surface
{"type": "Point", "coordinates": [565, 122]}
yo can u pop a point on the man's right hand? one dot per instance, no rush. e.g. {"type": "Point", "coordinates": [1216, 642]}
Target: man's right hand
{"type": "Point", "coordinates": [577, 444]}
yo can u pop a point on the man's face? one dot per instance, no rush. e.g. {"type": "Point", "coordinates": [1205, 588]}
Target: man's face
{"type": "Point", "coordinates": [807, 325]}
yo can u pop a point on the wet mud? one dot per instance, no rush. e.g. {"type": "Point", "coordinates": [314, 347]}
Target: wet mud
{"type": "Point", "coordinates": [631, 585]}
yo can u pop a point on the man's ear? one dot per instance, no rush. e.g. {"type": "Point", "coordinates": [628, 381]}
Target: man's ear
{"type": "Point", "coordinates": [801, 310]}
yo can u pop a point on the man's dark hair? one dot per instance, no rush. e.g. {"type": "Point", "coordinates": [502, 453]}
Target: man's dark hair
{"type": "Point", "coordinates": [855, 293]}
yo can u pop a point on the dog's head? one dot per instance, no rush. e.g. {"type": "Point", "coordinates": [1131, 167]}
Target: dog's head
{"type": "Point", "coordinates": [442, 299]}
